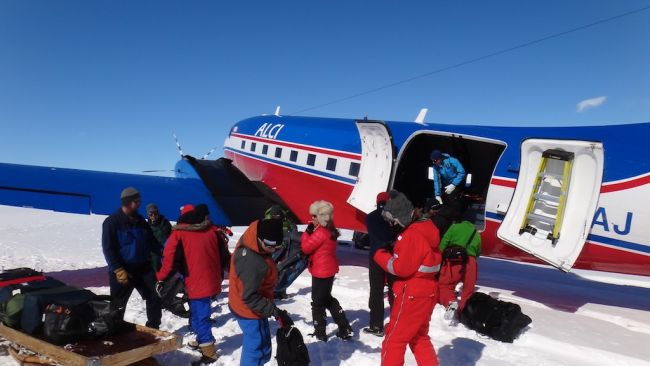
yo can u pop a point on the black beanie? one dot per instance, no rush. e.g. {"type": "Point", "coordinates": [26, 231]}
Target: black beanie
{"type": "Point", "coordinates": [129, 194]}
{"type": "Point", "coordinates": [398, 209]}
{"type": "Point", "coordinates": [270, 232]}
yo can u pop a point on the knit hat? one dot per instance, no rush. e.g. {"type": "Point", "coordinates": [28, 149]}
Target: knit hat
{"type": "Point", "coordinates": [152, 208]}
{"type": "Point", "coordinates": [129, 194]}
{"type": "Point", "coordinates": [436, 155]}
{"type": "Point", "coordinates": [382, 197]}
{"type": "Point", "coordinates": [275, 210]}
{"type": "Point", "coordinates": [398, 210]}
{"type": "Point", "coordinates": [186, 209]}
{"type": "Point", "coordinates": [323, 210]}
{"type": "Point", "coordinates": [270, 232]}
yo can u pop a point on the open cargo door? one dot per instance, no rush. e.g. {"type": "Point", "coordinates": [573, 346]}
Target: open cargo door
{"type": "Point", "coordinates": [376, 165]}
{"type": "Point", "coordinates": [555, 199]}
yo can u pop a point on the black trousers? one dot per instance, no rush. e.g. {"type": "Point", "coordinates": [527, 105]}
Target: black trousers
{"type": "Point", "coordinates": [377, 279]}
{"type": "Point", "coordinates": [321, 297]}
{"type": "Point", "coordinates": [143, 280]}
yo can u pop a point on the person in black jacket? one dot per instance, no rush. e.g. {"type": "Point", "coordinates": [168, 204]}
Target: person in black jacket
{"type": "Point", "coordinates": [127, 243]}
{"type": "Point", "coordinates": [380, 234]}
{"type": "Point", "coordinates": [161, 228]}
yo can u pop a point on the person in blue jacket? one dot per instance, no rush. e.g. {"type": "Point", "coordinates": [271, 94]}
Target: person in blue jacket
{"type": "Point", "coordinates": [448, 175]}
{"type": "Point", "coordinates": [127, 243]}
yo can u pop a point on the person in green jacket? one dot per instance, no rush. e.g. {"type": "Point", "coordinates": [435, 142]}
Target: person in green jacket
{"type": "Point", "coordinates": [462, 234]}
{"type": "Point", "coordinates": [161, 228]}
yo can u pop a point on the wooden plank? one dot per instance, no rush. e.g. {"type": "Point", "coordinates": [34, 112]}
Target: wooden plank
{"type": "Point", "coordinates": [55, 352]}
{"type": "Point", "coordinates": [119, 350]}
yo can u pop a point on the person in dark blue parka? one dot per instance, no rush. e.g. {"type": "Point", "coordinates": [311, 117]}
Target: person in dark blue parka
{"type": "Point", "coordinates": [127, 243]}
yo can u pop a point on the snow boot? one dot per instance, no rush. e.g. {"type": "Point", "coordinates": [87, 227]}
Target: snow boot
{"type": "Point", "coordinates": [208, 354]}
{"type": "Point", "coordinates": [318, 314]}
{"type": "Point", "coordinates": [345, 330]}
{"type": "Point", "coordinates": [376, 331]}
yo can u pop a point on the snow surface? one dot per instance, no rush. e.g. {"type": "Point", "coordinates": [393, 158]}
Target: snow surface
{"type": "Point", "coordinates": [576, 321]}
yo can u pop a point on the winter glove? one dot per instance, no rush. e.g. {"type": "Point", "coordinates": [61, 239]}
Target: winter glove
{"type": "Point", "coordinates": [450, 188]}
{"type": "Point", "coordinates": [310, 228]}
{"type": "Point", "coordinates": [160, 285]}
{"type": "Point", "coordinates": [388, 247]}
{"type": "Point", "coordinates": [282, 317]}
{"type": "Point", "coordinates": [122, 276]}
{"type": "Point", "coordinates": [439, 199]}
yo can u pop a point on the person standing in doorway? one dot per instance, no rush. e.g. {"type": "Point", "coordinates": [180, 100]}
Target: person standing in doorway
{"type": "Point", "coordinates": [448, 176]}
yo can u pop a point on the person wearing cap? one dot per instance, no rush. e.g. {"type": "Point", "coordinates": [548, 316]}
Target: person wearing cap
{"type": "Point", "coordinates": [380, 234]}
{"type": "Point", "coordinates": [448, 175]}
{"type": "Point", "coordinates": [252, 280]}
{"type": "Point", "coordinates": [415, 262]}
{"type": "Point", "coordinates": [127, 243]}
{"type": "Point", "coordinates": [193, 250]}
{"type": "Point", "coordinates": [161, 228]}
{"type": "Point", "coordinates": [319, 243]}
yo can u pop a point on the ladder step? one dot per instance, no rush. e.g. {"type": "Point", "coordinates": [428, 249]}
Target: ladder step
{"type": "Point", "coordinates": [551, 175]}
{"type": "Point", "coordinates": [547, 197]}
{"type": "Point", "coordinates": [547, 219]}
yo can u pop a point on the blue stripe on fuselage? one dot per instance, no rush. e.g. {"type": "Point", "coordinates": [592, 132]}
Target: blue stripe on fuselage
{"type": "Point", "coordinates": [296, 167]}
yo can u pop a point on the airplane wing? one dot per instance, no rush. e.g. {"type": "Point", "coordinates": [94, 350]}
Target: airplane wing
{"type": "Point", "coordinates": [95, 192]}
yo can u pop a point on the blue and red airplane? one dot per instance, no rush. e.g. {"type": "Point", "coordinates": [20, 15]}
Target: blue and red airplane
{"type": "Point", "coordinates": [586, 210]}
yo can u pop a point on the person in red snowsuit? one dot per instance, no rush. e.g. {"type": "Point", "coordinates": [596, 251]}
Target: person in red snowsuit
{"type": "Point", "coordinates": [415, 261]}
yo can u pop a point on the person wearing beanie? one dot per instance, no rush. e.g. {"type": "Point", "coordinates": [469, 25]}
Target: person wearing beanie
{"type": "Point", "coordinates": [195, 251]}
{"type": "Point", "coordinates": [414, 260]}
{"type": "Point", "coordinates": [288, 227]}
{"type": "Point", "coordinates": [319, 243]}
{"type": "Point", "coordinates": [448, 176]}
{"type": "Point", "coordinates": [128, 245]}
{"type": "Point", "coordinates": [161, 228]}
{"type": "Point", "coordinates": [253, 277]}
{"type": "Point", "coordinates": [380, 234]}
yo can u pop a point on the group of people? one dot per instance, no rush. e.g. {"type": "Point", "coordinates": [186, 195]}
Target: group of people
{"type": "Point", "coordinates": [141, 254]}
{"type": "Point", "coordinates": [406, 252]}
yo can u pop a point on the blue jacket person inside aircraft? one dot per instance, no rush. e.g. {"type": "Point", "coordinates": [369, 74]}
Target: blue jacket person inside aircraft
{"type": "Point", "coordinates": [448, 174]}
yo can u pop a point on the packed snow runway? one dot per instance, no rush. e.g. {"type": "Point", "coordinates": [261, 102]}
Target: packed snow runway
{"type": "Point", "coordinates": [576, 321]}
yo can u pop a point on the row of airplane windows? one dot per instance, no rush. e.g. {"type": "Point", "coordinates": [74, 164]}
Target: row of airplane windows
{"type": "Point", "coordinates": [311, 158]}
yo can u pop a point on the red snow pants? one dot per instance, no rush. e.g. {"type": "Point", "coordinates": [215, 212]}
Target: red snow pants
{"type": "Point", "coordinates": [450, 275]}
{"type": "Point", "coordinates": [409, 325]}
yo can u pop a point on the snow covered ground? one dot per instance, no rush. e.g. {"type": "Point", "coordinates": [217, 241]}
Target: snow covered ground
{"type": "Point", "coordinates": [576, 321]}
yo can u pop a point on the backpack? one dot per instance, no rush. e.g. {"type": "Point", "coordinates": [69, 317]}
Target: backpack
{"type": "Point", "coordinates": [173, 297]}
{"type": "Point", "coordinates": [291, 347]}
{"type": "Point", "coordinates": [500, 320]}
{"type": "Point", "coordinates": [455, 254]}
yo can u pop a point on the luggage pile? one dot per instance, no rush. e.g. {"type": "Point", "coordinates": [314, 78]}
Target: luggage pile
{"type": "Point", "coordinates": [43, 306]}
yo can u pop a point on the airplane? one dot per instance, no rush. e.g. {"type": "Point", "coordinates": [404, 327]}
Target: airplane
{"type": "Point", "coordinates": [571, 197]}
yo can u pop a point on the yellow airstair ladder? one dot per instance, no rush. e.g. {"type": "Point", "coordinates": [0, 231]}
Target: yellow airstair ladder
{"type": "Point", "coordinates": [542, 198]}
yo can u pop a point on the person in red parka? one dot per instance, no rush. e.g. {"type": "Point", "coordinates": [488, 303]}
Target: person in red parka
{"type": "Point", "coordinates": [319, 243]}
{"type": "Point", "coordinates": [414, 261]}
{"type": "Point", "coordinates": [193, 250]}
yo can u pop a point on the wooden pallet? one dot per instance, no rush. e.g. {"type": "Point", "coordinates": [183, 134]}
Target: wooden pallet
{"type": "Point", "coordinates": [127, 348]}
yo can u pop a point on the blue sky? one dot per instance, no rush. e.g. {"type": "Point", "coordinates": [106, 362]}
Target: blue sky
{"type": "Point", "coordinates": [103, 84]}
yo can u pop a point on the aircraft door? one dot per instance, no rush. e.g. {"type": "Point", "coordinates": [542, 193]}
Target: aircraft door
{"type": "Point", "coordinates": [555, 199]}
{"type": "Point", "coordinates": [376, 165]}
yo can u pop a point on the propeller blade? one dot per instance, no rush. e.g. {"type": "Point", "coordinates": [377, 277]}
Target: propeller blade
{"type": "Point", "coordinates": [178, 145]}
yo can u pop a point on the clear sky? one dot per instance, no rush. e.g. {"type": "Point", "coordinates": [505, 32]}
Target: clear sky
{"type": "Point", "coordinates": [103, 84]}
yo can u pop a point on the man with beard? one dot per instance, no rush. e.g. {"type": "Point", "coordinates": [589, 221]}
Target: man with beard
{"type": "Point", "coordinates": [127, 243]}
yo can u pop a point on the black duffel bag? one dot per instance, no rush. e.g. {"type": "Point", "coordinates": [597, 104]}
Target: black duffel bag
{"type": "Point", "coordinates": [500, 320]}
{"type": "Point", "coordinates": [89, 320]}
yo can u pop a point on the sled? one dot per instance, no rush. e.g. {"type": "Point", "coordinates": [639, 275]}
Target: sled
{"type": "Point", "coordinates": [126, 348]}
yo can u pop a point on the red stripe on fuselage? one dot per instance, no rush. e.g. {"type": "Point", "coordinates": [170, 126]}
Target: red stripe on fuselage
{"type": "Point", "coordinates": [301, 147]}
{"type": "Point", "coordinates": [299, 190]}
{"type": "Point", "coordinates": [605, 188]}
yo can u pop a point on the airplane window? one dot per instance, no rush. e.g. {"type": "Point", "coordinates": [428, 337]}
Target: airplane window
{"type": "Point", "coordinates": [253, 146]}
{"type": "Point", "coordinates": [243, 144]}
{"type": "Point", "coordinates": [278, 152]}
{"type": "Point", "coordinates": [293, 156]}
{"type": "Point", "coordinates": [311, 159]}
{"type": "Point", "coordinates": [265, 149]}
{"type": "Point", "coordinates": [354, 169]}
{"type": "Point", "coordinates": [331, 164]}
